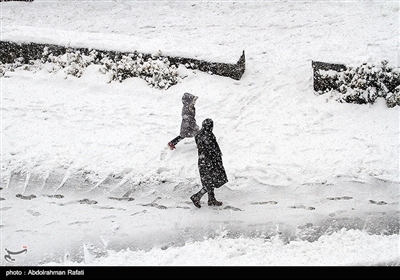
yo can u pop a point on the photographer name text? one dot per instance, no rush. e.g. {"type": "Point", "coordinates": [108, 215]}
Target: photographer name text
{"type": "Point", "coordinates": [39, 272]}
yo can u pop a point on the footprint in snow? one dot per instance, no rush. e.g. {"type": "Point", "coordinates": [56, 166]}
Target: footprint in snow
{"type": "Point", "coordinates": [264, 202]}
{"type": "Point", "coordinates": [122, 198]}
{"type": "Point", "coordinates": [58, 196]}
{"type": "Point", "coordinates": [153, 204]}
{"type": "Point", "coordinates": [87, 201]}
{"type": "Point", "coordinates": [110, 208]}
{"type": "Point", "coordinates": [34, 213]}
{"type": "Point", "coordinates": [340, 198]}
{"type": "Point", "coordinates": [302, 207]}
{"type": "Point", "coordinates": [183, 207]}
{"type": "Point", "coordinates": [52, 223]}
{"type": "Point", "coordinates": [26, 197]}
{"type": "Point", "coordinates": [141, 212]}
{"type": "Point", "coordinates": [109, 217]}
{"type": "Point", "coordinates": [337, 213]}
{"type": "Point", "coordinates": [163, 155]}
{"type": "Point", "coordinates": [79, 222]}
{"type": "Point", "coordinates": [378, 202]}
{"type": "Point", "coordinates": [232, 208]}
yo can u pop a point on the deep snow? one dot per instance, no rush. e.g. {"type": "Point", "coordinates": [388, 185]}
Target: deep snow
{"type": "Point", "coordinates": [312, 181]}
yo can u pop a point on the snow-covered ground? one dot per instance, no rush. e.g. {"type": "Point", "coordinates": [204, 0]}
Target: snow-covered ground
{"type": "Point", "coordinates": [311, 181]}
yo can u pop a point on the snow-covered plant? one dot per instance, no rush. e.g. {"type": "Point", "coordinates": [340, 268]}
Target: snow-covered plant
{"type": "Point", "coordinates": [18, 63]}
{"type": "Point", "coordinates": [156, 71]}
{"type": "Point", "coordinates": [159, 73]}
{"type": "Point", "coordinates": [73, 61]}
{"type": "Point", "coordinates": [364, 84]}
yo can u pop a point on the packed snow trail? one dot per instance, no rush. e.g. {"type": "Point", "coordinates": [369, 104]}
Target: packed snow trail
{"type": "Point", "coordinates": [63, 228]}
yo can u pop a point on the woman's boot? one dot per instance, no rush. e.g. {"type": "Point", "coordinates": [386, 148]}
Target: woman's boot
{"type": "Point", "coordinates": [211, 199]}
{"type": "Point", "coordinates": [196, 200]}
{"type": "Point", "coordinates": [196, 197]}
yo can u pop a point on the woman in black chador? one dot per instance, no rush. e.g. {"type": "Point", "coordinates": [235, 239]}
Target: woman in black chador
{"type": "Point", "coordinates": [188, 125]}
{"type": "Point", "coordinates": [212, 172]}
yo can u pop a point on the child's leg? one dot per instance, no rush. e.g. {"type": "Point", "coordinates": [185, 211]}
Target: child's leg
{"type": "Point", "coordinates": [174, 141]}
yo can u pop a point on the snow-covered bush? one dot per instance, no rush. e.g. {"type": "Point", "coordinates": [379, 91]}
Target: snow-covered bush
{"type": "Point", "coordinates": [364, 84]}
{"type": "Point", "coordinates": [156, 70]}
{"type": "Point", "coordinates": [18, 63]}
{"type": "Point", "coordinates": [73, 61]}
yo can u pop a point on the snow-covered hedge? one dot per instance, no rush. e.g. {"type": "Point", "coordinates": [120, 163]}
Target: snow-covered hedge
{"type": "Point", "coordinates": [362, 84]}
{"type": "Point", "coordinates": [155, 70]}
{"type": "Point", "coordinates": [158, 70]}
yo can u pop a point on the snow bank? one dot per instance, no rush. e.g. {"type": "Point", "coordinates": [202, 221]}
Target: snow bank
{"type": "Point", "coordinates": [344, 248]}
{"type": "Point", "coordinates": [116, 42]}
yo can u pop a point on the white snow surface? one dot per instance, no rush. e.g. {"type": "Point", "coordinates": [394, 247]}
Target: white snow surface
{"type": "Point", "coordinates": [311, 181]}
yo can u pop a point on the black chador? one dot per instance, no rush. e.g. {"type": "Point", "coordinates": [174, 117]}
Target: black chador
{"type": "Point", "coordinates": [211, 169]}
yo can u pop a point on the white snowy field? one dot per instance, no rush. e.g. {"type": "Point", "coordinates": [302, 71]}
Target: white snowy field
{"type": "Point", "coordinates": [312, 182]}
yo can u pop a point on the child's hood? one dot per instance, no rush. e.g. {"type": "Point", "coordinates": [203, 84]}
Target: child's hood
{"type": "Point", "coordinates": [188, 98]}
